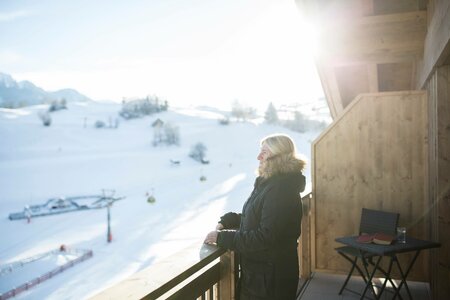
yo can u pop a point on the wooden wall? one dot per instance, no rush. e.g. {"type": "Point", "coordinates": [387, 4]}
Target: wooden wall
{"type": "Point", "coordinates": [374, 155]}
{"type": "Point", "coordinates": [437, 40]}
{"type": "Point", "coordinates": [439, 178]}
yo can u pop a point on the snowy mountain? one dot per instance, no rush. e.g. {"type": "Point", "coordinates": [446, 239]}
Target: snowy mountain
{"type": "Point", "coordinates": [24, 93]}
{"type": "Point", "coordinates": [73, 158]}
{"type": "Point", "coordinates": [70, 95]}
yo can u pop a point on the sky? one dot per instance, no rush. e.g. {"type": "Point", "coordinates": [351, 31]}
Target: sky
{"type": "Point", "coordinates": [189, 52]}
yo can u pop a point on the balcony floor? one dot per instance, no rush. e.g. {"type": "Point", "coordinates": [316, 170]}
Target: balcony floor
{"type": "Point", "coordinates": [327, 286]}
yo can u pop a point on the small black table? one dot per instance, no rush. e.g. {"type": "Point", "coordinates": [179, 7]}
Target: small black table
{"type": "Point", "coordinates": [391, 251]}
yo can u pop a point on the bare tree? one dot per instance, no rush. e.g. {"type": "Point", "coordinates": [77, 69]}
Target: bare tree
{"type": "Point", "coordinates": [172, 134]}
{"type": "Point", "coordinates": [241, 112]}
{"type": "Point", "coordinates": [45, 118]}
{"type": "Point", "coordinates": [198, 152]}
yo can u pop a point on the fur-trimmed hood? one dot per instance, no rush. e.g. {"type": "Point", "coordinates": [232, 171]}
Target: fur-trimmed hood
{"type": "Point", "coordinates": [281, 164]}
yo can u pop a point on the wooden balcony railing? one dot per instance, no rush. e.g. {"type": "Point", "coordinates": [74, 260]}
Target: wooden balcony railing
{"type": "Point", "coordinates": [199, 272]}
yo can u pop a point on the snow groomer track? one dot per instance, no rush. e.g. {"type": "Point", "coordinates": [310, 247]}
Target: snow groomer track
{"type": "Point", "coordinates": [20, 276]}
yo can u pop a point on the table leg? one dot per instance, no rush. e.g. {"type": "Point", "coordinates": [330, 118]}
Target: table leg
{"type": "Point", "coordinates": [370, 277]}
{"type": "Point", "coordinates": [388, 276]}
{"type": "Point", "coordinates": [405, 275]}
{"type": "Point", "coordinates": [354, 263]}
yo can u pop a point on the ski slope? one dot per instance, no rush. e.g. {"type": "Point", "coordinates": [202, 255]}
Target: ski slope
{"type": "Point", "coordinates": [69, 159]}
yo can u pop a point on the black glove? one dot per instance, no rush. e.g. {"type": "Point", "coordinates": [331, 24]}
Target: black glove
{"type": "Point", "coordinates": [230, 220]}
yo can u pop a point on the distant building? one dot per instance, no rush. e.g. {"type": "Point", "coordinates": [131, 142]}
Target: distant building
{"type": "Point", "coordinates": [158, 123]}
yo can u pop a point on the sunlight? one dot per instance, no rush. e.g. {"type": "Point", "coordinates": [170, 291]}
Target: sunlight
{"type": "Point", "coordinates": [195, 222]}
{"type": "Point", "coordinates": [188, 229]}
{"type": "Point", "coordinates": [311, 33]}
{"type": "Point", "coordinates": [230, 184]}
{"type": "Point", "coordinates": [267, 58]}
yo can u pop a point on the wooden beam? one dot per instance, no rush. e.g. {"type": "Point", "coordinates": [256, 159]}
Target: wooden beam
{"type": "Point", "coordinates": [396, 6]}
{"type": "Point", "coordinates": [375, 39]}
{"type": "Point", "coordinates": [331, 88]}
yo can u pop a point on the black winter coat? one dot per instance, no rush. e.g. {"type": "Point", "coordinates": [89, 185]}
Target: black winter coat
{"type": "Point", "coordinates": [267, 238]}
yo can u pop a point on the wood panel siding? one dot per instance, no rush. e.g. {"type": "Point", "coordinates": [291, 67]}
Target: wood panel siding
{"type": "Point", "coordinates": [439, 178]}
{"type": "Point", "coordinates": [437, 40]}
{"type": "Point", "coordinates": [374, 156]}
{"type": "Point", "coordinates": [408, 43]}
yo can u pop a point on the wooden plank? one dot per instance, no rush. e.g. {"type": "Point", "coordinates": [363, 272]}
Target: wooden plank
{"type": "Point", "coordinates": [304, 252]}
{"type": "Point", "coordinates": [228, 273]}
{"type": "Point", "coordinates": [312, 235]}
{"type": "Point", "coordinates": [199, 285]}
{"type": "Point", "coordinates": [397, 6]}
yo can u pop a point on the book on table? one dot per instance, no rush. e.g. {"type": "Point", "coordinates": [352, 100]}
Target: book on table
{"type": "Point", "coordinates": [376, 238]}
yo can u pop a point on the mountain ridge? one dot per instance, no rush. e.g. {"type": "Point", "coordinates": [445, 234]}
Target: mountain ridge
{"type": "Point", "coordinates": [14, 94]}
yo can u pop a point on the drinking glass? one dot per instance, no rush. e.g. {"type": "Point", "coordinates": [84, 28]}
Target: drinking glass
{"type": "Point", "coordinates": [401, 235]}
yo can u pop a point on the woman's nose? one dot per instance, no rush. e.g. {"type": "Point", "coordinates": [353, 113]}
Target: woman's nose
{"type": "Point", "coordinates": [259, 157]}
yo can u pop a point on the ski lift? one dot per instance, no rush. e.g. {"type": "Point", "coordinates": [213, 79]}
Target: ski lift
{"type": "Point", "coordinates": [150, 198]}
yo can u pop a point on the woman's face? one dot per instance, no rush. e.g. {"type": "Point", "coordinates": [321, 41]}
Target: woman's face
{"type": "Point", "coordinates": [264, 153]}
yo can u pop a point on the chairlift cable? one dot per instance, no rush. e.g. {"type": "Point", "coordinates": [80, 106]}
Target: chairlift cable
{"type": "Point", "coordinates": [46, 231]}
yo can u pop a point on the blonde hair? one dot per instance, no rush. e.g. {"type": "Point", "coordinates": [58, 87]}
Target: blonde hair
{"type": "Point", "coordinates": [283, 158]}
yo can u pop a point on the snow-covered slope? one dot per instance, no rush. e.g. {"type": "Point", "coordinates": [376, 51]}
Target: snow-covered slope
{"type": "Point", "coordinates": [70, 159]}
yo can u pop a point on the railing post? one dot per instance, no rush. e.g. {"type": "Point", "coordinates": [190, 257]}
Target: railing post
{"type": "Point", "coordinates": [227, 281]}
{"type": "Point", "coordinates": [305, 245]}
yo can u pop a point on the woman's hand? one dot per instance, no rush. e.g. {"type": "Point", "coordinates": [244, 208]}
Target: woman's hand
{"type": "Point", "coordinates": [211, 238]}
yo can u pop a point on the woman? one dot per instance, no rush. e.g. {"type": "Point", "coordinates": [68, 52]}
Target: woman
{"type": "Point", "coordinates": [265, 234]}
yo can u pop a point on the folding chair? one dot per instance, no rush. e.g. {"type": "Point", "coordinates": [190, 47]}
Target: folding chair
{"type": "Point", "coordinates": [372, 221]}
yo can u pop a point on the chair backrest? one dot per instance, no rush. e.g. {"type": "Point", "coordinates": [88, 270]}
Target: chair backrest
{"type": "Point", "coordinates": [377, 221]}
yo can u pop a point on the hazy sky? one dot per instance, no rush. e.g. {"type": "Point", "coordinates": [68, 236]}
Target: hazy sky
{"type": "Point", "coordinates": [186, 51]}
